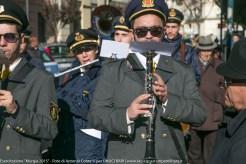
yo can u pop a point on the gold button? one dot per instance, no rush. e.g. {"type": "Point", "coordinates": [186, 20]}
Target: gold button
{"type": "Point", "coordinates": [143, 136]}
{"type": "Point", "coordinates": [17, 128]}
{"type": "Point", "coordinates": [7, 147]}
{"type": "Point", "coordinates": [8, 126]}
{"type": "Point", "coordinates": [164, 135]}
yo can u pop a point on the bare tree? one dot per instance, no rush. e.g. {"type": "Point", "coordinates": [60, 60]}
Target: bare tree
{"type": "Point", "coordinates": [58, 13]}
{"type": "Point", "coordinates": [195, 10]}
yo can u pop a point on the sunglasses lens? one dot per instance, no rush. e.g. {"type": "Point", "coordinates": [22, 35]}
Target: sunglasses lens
{"type": "Point", "coordinates": [156, 31]}
{"type": "Point", "coordinates": [80, 50]}
{"type": "Point", "coordinates": [10, 37]}
{"type": "Point", "coordinates": [141, 32]}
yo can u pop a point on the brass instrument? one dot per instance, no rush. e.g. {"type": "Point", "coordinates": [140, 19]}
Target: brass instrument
{"type": "Point", "coordinates": [103, 19]}
{"type": "Point", "coordinates": [149, 156]}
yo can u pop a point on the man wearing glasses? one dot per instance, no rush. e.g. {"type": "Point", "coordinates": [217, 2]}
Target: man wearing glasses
{"type": "Point", "coordinates": [230, 146]}
{"type": "Point", "coordinates": [28, 110]}
{"type": "Point", "coordinates": [119, 102]}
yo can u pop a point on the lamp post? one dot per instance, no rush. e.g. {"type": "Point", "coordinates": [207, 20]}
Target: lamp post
{"type": "Point", "coordinates": [230, 7]}
{"type": "Point", "coordinates": [27, 8]}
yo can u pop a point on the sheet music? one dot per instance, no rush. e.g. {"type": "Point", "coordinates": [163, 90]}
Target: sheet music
{"type": "Point", "coordinates": [113, 49]}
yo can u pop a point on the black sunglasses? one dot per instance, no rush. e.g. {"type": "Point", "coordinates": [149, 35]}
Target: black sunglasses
{"type": "Point", "coordinates": [10, 37]}
{"type": "Point", "coordinates": [80, 50]}
{"type": "Point", "coordinates": [155, 31]}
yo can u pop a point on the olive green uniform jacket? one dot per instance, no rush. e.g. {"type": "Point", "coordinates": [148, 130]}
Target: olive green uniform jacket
{"type": "Point", "coordinates": [22, 133]}
{"type": "Point", "coordinates": [119, 85]}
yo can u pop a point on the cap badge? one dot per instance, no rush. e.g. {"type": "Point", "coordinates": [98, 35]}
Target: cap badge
{"type": "Point", "coordinates": [172, 13]}
{"type": "Point", "coordinates": [122, 20]}
{"type": "Point", "coordinates": [1, 8]}
{"type": "Point", "coordinates": [79, 37]}
{"type": "Point", "coordinates": [148, 3]}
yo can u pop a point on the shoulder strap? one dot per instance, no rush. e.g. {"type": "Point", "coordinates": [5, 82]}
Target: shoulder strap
{"type": "Point", "coordinates": [177, 145]}
{"type": "Point", "coordinates": [133, 62]}
{"type": "Point", "coordinates": [182, 50]}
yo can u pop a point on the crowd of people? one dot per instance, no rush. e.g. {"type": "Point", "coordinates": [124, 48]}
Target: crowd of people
{"type": "Point", "coordinates": [102, 113]}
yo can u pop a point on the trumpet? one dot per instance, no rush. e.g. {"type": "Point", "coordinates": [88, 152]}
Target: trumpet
{"type": "Point", "coordinates": [75, 68]}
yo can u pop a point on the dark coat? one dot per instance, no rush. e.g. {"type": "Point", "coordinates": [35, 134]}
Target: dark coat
{"type": "Point", "coordinates": [230, 147]}
{"type": "Point", "coordinates": [117, 87]}
{"type": "Point", "coordinates": [212, 93]}
{"type": "Point", "coordinates": [35, 121]}
{"type": "Point", "coordinates": [75, 99]}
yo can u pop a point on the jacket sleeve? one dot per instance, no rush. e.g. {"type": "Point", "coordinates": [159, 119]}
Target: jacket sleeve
{"type": "Point", "coordinates": [186, 106]}
{"type": "Point", "coordinates": [104, 115]}
{"type": "Point", "coordinates": [41, 121]}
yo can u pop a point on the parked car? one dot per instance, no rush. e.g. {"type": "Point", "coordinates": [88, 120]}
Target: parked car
{"type": "Point", "coordinates": [49, 62]}
{"type": "Point", "coordinates": [60, 53]}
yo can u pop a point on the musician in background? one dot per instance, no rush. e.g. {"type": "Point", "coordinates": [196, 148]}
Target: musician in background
{"type": "Point", "coordinates": [182, 51]}
{"type": "Point", "coordinates": [122, 33]}
{"type": "Point", "coordinates": [28, 109]}
{"type": "Point", "coordinates": [119, 102]}
{"type": "Point", "coordinates": [24, 50]}
{"type": "Point", "coordinates": [74, 100]}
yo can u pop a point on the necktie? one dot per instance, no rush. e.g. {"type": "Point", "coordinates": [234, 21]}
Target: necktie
{"type": "Point", "coordinates": [5, 73]}
{"type": "Point", "coordinates": [154, 66]}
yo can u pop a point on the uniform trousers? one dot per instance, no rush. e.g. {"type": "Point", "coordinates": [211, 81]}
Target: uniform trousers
{"type": "Point", "coordinates": [201, 146]}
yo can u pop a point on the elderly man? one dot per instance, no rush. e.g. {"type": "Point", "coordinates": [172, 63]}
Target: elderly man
{"type": "Point", "coordinates": [28, 110]}
{"type": "Point", "coordinates": [230, 147]}
{"type": "Point", "coordinates": [119, 104]}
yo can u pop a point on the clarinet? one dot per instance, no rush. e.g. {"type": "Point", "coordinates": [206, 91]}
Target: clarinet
{"type": "Point", "coordinates": [149, 156]}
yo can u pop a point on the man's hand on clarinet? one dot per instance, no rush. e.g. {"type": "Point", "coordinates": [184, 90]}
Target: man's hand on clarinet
{"type": "Point", "coordinates": [159, 88]}
{"type": "Point", "coordinates": [139, 107]}
{"type": "Point", "coordinates": [7, 100]}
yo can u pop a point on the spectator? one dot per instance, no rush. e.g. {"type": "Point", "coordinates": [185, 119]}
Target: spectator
{"type": "Point", "coordinates": [230, 146]}
{"type": "Point", "coordinates": [211, 91]}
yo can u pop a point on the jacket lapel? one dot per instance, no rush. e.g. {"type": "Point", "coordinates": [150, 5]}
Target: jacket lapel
{"type": "Point", "coordinates": [135, 69]}
{"type": "Point", "coordinates": [16, 77]}
{"type": "Point", "coordinates": [165, 68]}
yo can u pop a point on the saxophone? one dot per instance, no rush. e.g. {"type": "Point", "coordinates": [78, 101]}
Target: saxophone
{"type": "Point", "coordinates": [149, 156]}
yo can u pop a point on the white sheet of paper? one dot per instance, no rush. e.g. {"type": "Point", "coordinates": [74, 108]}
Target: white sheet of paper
{"type": "Point", "coordinates": [113, 49]}
{"type": "Point", "coordinates": [93, 132]}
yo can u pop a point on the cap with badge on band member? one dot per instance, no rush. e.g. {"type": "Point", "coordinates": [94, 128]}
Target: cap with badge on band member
{"type": "Point", "coordinates": [12, 13]}
{"type": "Point", "coordinates": [122, 33]}
{"type": "Point", "coordinates": [137, 8]}
{"type": "Point", "coordinates": [121, 24]}
{"type": "Point", "coordinates": [82, 40]}
{"type": "Point", "coordinates": [175, 16]}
